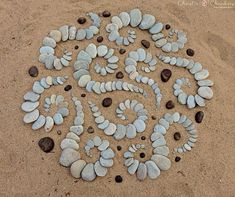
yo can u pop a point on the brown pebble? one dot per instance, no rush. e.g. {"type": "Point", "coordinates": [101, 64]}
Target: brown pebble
{"type": "Point", "coordinates": [76, 47]}
{"type": "Point", "coordinates": [142, 155]}
{"type": "Point", "coordinates": [81, 20]}
{"type": "Point", "coordinates": [59, 132]}
{"type": "Point", "coordinates": [90, 129]}
{"type": "Point", "coordinates": [143, 137]}
{"type": "Point", "coordinates": [170, 104]}
{"type": "Point", "coordinates": [107, 102]}
{"type": "Point", "coordinates": [177, 159]}
{"type": "Point", "coordinates": [83, 95]}
{"type": "Point", "coordinates": [177, 136]}
{"type": "Point", "coordinates": [100, 39]}
{"type": "Point", "coordinates": [166, 75]}
{"type": "Point", "coordinates": [119, 75]}
{"type": "Point", "coordinates": [122, 51]}
{"type": "Point", "coordinates": [46, 144]}
{"type": "Point", "coordinates": [199, 116]}
{"type": "Point", "coordinates": [106, 13]}
{"type": "Point", "coordinates": [167, 26]}
{"type": "Point", "coordinates": [153, 117]}
{"type": "Point", "coordinates": [190, 52]}
{"type": "Point", "coordinates": [145, 43]}
{"type": "Point", "coordinates": [119, 148]}
{"type": "Point", "coordinates": [33, 71]}
{"type": "Point", "coordinates": [67, 88]}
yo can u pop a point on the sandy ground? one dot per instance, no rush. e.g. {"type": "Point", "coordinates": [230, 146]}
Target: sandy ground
{"type": "Point", "coordinates": [25, 170]}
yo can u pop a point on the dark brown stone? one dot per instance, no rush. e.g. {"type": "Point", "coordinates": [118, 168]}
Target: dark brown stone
{"type": "Point", "coordinates": [167, 26]}
{"type": "Point", "coordinates": [76, 47]}
{"type": "Point", "coordinates": [106, 13]}
{"type": "Point", "coordinates": [145, 43]}
{"type": "Point", "coordinates": [100, 39]}
{"type": "Point", "coordinates": [177, 136]}
{"type": "Point", "coordinates": [190, 52]}
{"type": "Point", "coordinates": [153, 117]}
{"type": "Point", "coordinates": [59, 132]}
{"type": "Point", "coordinates": [170, 105]}
{"type": "Point", "coordinates": [83, 95]}
{"type": "Point", "coordinates": [119, 75]}
{"type": "Point", "coordinates": [33, 71]}
{"type": "Point", "coordinates": [122, 51]}
{"type": "Point", "coordinates": [199, 116]}
{"type": "Point", "coordinates": [46, 144]}
{"type": "Point", "coordinates": [142, 155]}
{"type": "Point", "coordinates": [177, 159]}
{"type": "Point", "coordinates": [118, 179]}
{"type": "Point", "coordinates": [67, 88]}
{"type": "Point", "coordinates": [81, 20]}
{"type": "Point", "coordinates": [90, 129]}
{"type": "Point", "coordinates": [107, 102]}
{"type": "Point", "coordinates": [143, 137]}
{"type": "Point", "coordinates": [119, 148]}
{"type": "Point", "coordinates": [166, 75]}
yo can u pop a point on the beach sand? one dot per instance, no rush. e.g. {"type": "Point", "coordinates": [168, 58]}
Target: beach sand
{"type": "Point", "coordinates": [25, 170]}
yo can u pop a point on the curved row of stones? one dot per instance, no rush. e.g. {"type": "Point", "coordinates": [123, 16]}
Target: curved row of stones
{"type": "Point", "coordinates": [120, 131]}
{"type": "Point", "coordinates": [83, 76]}
{"type": "Point", "coordinates": [140, 55]}
{"type": "Point", "coordinates": [64, 33]}
{"type": "Point", "coordinates": [32, 102]}
{"type": "Point", "coordinates": [135, 18]}
{"type": "Point", "coordinates": [70, 156]}
{"type": "Point", "coordinates": [164, 124]}
{"type": "Point", "coordinates": [200, 75]}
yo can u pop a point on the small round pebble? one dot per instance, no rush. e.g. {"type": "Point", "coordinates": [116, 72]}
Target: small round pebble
{"type": "Point", "coordinates": [33, 71]}
{"type": "Point", "coordinates": [143, 137]}
{"type": "Point", "coordinates": [118, 179]}
{"type": "Point", "coordinates": [153, 117]}
{"type": "Point", "coordinates": [100, 39]}
{"type": "Point", "coordinates": [199, 116]}
{"type": "Point", "coordinates": [177, 136]}
{"type": "Point", "coordinates": [119, 75]}
{"type": "Point", "coordinates": [67, 88]}
{"type": "Point", "coordinates": [167, 26]}
{"type": "Point", "coordinates": [119, 148]}
{"type": "Point", "coordinates": [165, 75]}
{"type": "Point", "coordinates": [122, 51]}
{"type": "Point", "coordinates": [170, 105]}
{"type": "Point", "coordinates": [177, 159]}
{"type": "Point", "coordinates": [190, 52]}
{"type": "Point", "coordinates": [81, 20]}
{"type": "Point", "coordinates": [142, 155]}
{"type": "Point", "coordinates": [76, 47]}
{"type": "Point", "coordinates": [106, 13]}
{"type": "Point", "coordinates": [59, 132]}
{"type": "Point", "coordinates": [90, 129]}
{"type": "Point", "coordinates": [107, 102]}
{"type": "Point", "coordinates": [83, 95]}
{"type": "Point", "coordinates": [46, 144]}
{"type": "Point", "coordinates": [145, 43]}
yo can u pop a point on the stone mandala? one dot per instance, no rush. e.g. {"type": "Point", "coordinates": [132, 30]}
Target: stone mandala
{"type": "Point", "coordinates": [140, 59]}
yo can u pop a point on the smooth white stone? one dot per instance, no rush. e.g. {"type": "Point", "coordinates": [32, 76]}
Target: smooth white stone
{"type": "Point", "coordinates": [71, 135]}
{"type": "Point", "coordinates": [182, 98]}
{"type": "Point", "coordinates": [141, 53]}
{"type": "Point", "coordinates": [120, 132]}
{"type": "Point", "coordinates": [130, 131]}
{"type": "Point", "coordinates": [147, 22]}
{"type": "Point", "coordinates": [84, 80]}
{"type": "Point", "coordinates": [159, 142]}
{"type": "Point", "coordinates": [161, 42]}
{"type": "Point", "coordinates": [136, 17]}
{"type": "Point", "coordinates": [104, 145]}
{"type": "Point", "coordinates": [97, 141]}
{"type": "Point", "coordinates": [31, 117]}
{"type": "Point", "coordinates": [58, 119]}
{"type": "Point", "coordinates": [156, 28]}
{"type": "Point", "coordinates": [161, 150]}
{"type": "Point", "coordinates": [47, 50]}
{"type": "Point", "coordinates": [110, 130]}
{"type": "Point", "coordinates": [106, 162]}
{"type": "Point", "coordinates": [76, 168]}
{"type": "Point", "coordinates": [199, 100]}
{"type": "Point", "coordinates": [108, 153]}
{"type": "Point", "coordinates": [140, 125]}
{"type": "Point", "coordinates": [152, 170]}
{"type": "Point", "coordinates": [205, 92]}
{"type": "Point", "coordinates": [39, 123]}
{"type": "Point", "coordinates": [69, 143]}
{"type": "Point", "coordinates": [117, 20]}
{"type": "Point", "coordinates": [141, 171]}
{"type": "Point", "coordinates": [176, 116]}
{"type": "Point", "coordinates": [102, 50]}
{"type": "Point", "coordinates": [196, 68]}
{"type": "Point", "coordinates": [81, 34]}
{"type": "Point", "coordinates": [37, 88]}
{"type": "Point", "coordinates": [191, 102]}
{"type": "Point", "coordinates": [49, 124]}
{"type": "Point", "coordinates": [91, 50]}
{"type": "Point", "coordinates": [47, 41]}
{"type": "Point", "coordinates": [133, 167]}
{"type": "Point", "coordinates": [68, 156]}
{"type": "Point", "coordinates": [88, 172]}
{"type": "Point", "coordinates": [56, 35]}
{"type": "Point", "coordinates": [160, 129]}
{"type": "Point", "coordinates": [29, 106]}
{"type": "Point", "coordinates": [125, 18]}
{"type": "Point", "coordinates": [205, 83]}
{"type": "Point", "coordinates": [64, 32]}
{"type": "Point", "coordinates": [162, 162]}
{"type": "Point", "coordinates": [203, 74]}
{"type": "Point", "coordinates": [100, 170]}
{"type": "Point", "coordinates": [72, 32]}
{"type": "Point", "coordinates": [166, 47]}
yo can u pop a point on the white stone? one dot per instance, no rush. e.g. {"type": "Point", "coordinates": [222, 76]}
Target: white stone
{"type": "Point", "coordinates": [99, 169]}
{"type": "Point", "coordinates": [162, 162]}
{"type": "Point", "coordinates": [110, 130]}
{"type": "Point", "coordinates": [191, 102]}
{"type": "Point", "coordinates": [91, 50]}
{"type": "Point", "coordinates": [88, 172]}
{"type": "Point", "coordinates": [125, 18]}
{"type": "Point", "coordinates": [117, 20]}
{"type": "Point", "coordinates": [156, 28]}
{"type": "Point", "coordinates": [140, 125]}
{"type": "Point", "coordinates": [142, 171]}
{"type": "Point", "coordinates": [56, 35]}
{"type": "Point", "coordinates": [136, 17]}
{"type": "Point", "coordinates": [69, 143]}
{"type": "Point", "coordinates": [29, 106]}
{"type": "Point", "coordinates": [203, 74]}
{"type": "Point", "coordinates": [102, 50]}
{"type": "Point", "coordinates": [152, 170]}
{"type": "Point", "coordinates": [108, 153]}
{"type": "Point", "coordinates": [49, 124]}
{"type": "Point", "coordinates": [31, 117]}
{"type": "Point", "coordinates": [58, 119]}
{"type": "Point", "coordinates": [147, 22]}
{"type": "Point", "coordinates": [205, 92]}
{"type": "Point", "coordinates": [84, 80]}
{"type": "Point", "coordinates": [64, 32]}
{"type": "Point", "coordinates": [68, 156]}
{"type": "Point", "coordinates": [133, 167]}
{"type": "Point", "coordinates": [76, 168]}
{"type": "Point", "coordinates": [47, 41]}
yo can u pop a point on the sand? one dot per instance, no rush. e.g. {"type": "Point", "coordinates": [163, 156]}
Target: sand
{"type": "Point", "coordinates": [25, 170]}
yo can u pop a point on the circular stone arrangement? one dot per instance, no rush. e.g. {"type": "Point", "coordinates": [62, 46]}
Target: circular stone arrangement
{"type": "Point", "coordinates": [169, 40]}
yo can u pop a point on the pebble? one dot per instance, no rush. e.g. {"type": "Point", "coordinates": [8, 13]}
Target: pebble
{"type": "Point", "coordinates": [69, 143]}
{"type": "Point", "coordinates": [90, 129]}
{"type": "Point", "coordinates": [107, 102]}
{"type": "Point", "coordinates": [81, 34]}
{"type": "Point", "coordinates": [133, 167]}
{"type": "Point", "coordinates": [140, 125]}
{"type": "Point", "coordinates": [107, 154]}
{"type": "Point", "coordinates": [31, 117]}
{"type": "Point", "coordinates": [99, 169]}
{"type": "Point", "coordinates": [142, 171]}
{"type": "Point", "coordinates": [39, 123]}
{"type": "Point", "coordinates": [177, 136]}
{"type": "Point", "coordinates": [65, 32]}
{"type": "Point", "coordinates": [203, 74]}
{"type": "Point", "coordinates": [31, 96]}
{"type": "Point", "coordinates": [102, 50]}
{"type": "Point", "coordinates": [170, 104]}
{"type": "Point", "coordinates": [67, 87]}
{"type": "Point", "coordinates": [199, 116]}
{"type": "Point", "coordinates": [117, 20]}
{"type": "Point", "coordinates": [118, 179]}
{"type": "Point", "coordinates": [136, 17]}
{"type": "Point", "coordinates": [130, 131]}
{"type": "Point", "coordinates": [88, 172]}
{"type": "Point", "coordinates": [122, 51]}
{"type": "Point", "coordinates": [177, 159]}
{"type": "Point", "coordinates": [104, 145]}
{"type": "Point", "coordinates": [97, 141]}
{"type": "Point", "coordinates": [147, 21]}
{"type": "Point", "coordinates": [110, 130]}
{"type": "Point", "coordinates": [162, 162]}
{"type": "Point", "coordinates": [33, 71]}
{"type": "Point", "coordinates": [56, 35]}
{"type": "Point", "coordinates": [161, 150]}
{"type": "Point", "coordinates": [37, 88]}
{"type": "Point", "coordinates": [81, 20]}
{"type": "Point", "coordinates": [152, 170]}
{"type": "Point", "coordinates": [91, 50]}
{"type": "Point", "coordinates": [29, 106]}
{"type": "Point", "coordinates": [155, 29]}
{"type": "Point", "coordinates": [106, 13]}
{"type": "Point", "coordinates": [190, 52]}
{"type": "Point", "coordinates": [160, 129]}
{"type": "Point", "coordinates": [205, 92]}
{"type": "Point", "coordinates": [119, 148]}
{"type": "Point", "coordinates": [84, 79]}
{"type": "Point", "coordinates": [145, 43]}
{"type": "Point", "coordinates": [47, 41]}
{"type": "Point", "coordinates": [167, 26]}
{"type": "Point", "coordinates": [182, 98]}
{"type": "Point", "coordinates": [77, 167]}
{"type": "Point", "coordinates": [46, 144]}
{"type": "Point", "coordinates": [68, 156]}
{"type": "Point", "coordinates": [191, 102]}
{"type": "Point", "coordinates": [58, 119]}
{"type": "Point", "coordinates": [165, 75]}
{"type": "Point", "coordinates": [106, 162]}
{"type": "Point", "coordinates": [100, 39]}
{"type": "Point", "coordinates": [120, 132]}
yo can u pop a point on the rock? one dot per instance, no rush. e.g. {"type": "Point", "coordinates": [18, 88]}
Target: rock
{"type": "Point", "coordinates": [107, 154]}
{"type": "Point", "coordinates": [104, 145]}
{"type": "Point", "coordinates": [182, 98]}
{"type": "Point", "coordinates": [81, 20]}
{"type": "Point", "coordinates": [49, 42]}
{"type": "Point", "coordinates": [114, 35]}
{"type": "Point", "coordinates": [205, 92]}
{"type": "Point", "coordinates": [99, 169]}
{"type": "Point", "coordinates": [82, 82]}
{"type": "Point", "coordinates": [88, 172]}
{"type": "Point", "coordinates": [161, 42]}
{"type": "Point", "coordinates": [56, 35]}
{"type": "Point", "coordinates": [31, 117]}
{"type": "Point", "coordinates": [76, 168]}
{"type": "Point", "coordinates": [203, 74]}
{"type": "Point", "coordinates": [46, 144]}
{"type": "Point", "coordinates": [106, 162]}
{"type": "Point", "coordinates": [177, 136]}
{"type": "Point", "coordinates": [165, 75]}
{"type": "Point", "coordinates": [191, 102]}
{"type": "Point", "coordinates": [205, 83]}
{"type": "Point", "coordinates": [160, 129]}
{"type": "Point", "coordinates": [142, 171]}
{"type": "Point", "coordinates": [47, 50]}
{"type": "Point", "coordinates": [147, 21]}
{"type": "Point", "coordinates": [63, 111]}
{"type": "Point", "coordinates": [29, 106]}
{"type": "Point", "coordinates": [133, 167]}
{"type": "Point", "coordinates": [145, 43]}
{"type": "Point", "coordinates": [152, 170]}
{"type": "Point", "coordinates": [159, 142]}
{"type": "Point", "coordinates": [166, 47]}
{"type": "Point", "coordinates": [120, 132]}
{"type": "Point", "coordinates": [81, 34]}
{"type": "Point", "coordinates": [68, 156]}
{"type": "Point", "coordinates": [97, 141]}
{"type": "Point", "coordinates": [106, 13]}
{"type": "Point", "coordinates": [128, 162]}
{"type": "Point", "coordinates": [199, 116]}
{"type": "Point", "coordinates": [140, 125]}
{"type": "Point", "coordinates": [71, 135]}
{"type": "Point", "coordinates": [136, 17]}
{"type": "Point", "coordinates": [113, 60]}
{"type": "Point", "coordinates": [117, 20]}
{"type": "Point", "coordinates": [64, 32]}
{"type": "Point", "coordinates": [102, 50]}
{"type": "Point", "coordinates": [37, 88]}
{"type": "Point", "coordinates": [39, 123]}
{"type": "Point", "coordinates": [125, 18]}
{"type": "Point", "coordinates": [196, 68]}
{"type": "Point", "coordinates": [69, 143]}
{"type": "Point", "coordinates": [141, 53]}
{"type": "Point", "coordinates": [110, 130]}
{"type": "Point", "coordinates": [162, 162]}
{"type": "Point", "coordinates": [170, 104]}
{"type": "Point", "coordinates": [162, 150]}
{"type": "Point", "coordinates": [90, 129]}
{"type": "Point", "coordinates": [199, 100]}
{"type": "Point", "coordinates": [187, 147]}
{"type": "Point", "coordinates": [58, 119]}
{"type": "Point", "coordinates": [89, 34]}
{"type": "Point", "coordinates": [91, 50]}
{"type": "Point", "coordinates": [190, 52]}
{"type": "Point", "coordinates": [122, 51]}
{"type": "Point", "coordinates": [130, 131]}
{"type": "Point", "coordinates": [57, 64]}
{"type": "Point", "coordinates": [31, 96]}
{"type": "Point", "coordinates": [156, 28]}
{"type": "Point", "coordinates": [72, 32]}
{"type": "Point", "coordinates": [33, 71]}
{"type": "Point", "coordinates": [107, 102]}
{"type": "Point", "coordinates": [67, 88]}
